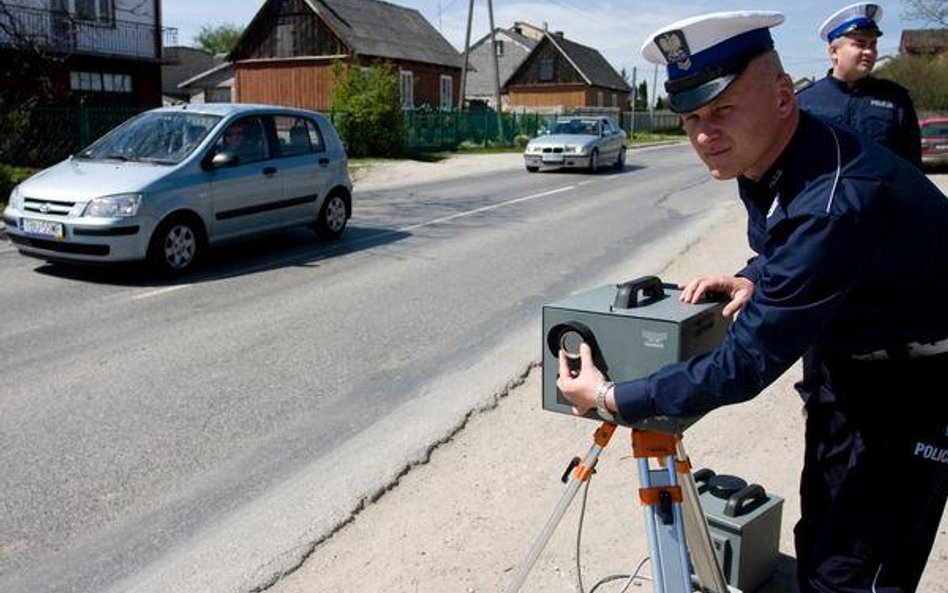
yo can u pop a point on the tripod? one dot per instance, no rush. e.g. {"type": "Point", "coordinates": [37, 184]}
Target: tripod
{"type": "Point", "coordinates": [673, 514]}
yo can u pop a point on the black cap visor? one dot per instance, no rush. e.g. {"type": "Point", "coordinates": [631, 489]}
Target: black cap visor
{"type": "Point", "coordinates": [699, 96]}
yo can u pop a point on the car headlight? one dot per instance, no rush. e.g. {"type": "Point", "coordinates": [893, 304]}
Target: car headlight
{"type": "Point", "coordinates": [534, 149]}
{"type": "Point", "coordinates": [575, 149]}
{"type": "Point", "coordinates": [16, 199]}
{"type": "Point", "coordinates": [121, 205]}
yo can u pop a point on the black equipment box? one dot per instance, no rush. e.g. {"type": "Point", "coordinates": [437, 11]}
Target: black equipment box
{"type": "Point", "coordinates": [633, 328]}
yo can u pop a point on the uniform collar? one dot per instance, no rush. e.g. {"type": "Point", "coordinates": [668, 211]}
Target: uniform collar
{"type": "Point", "coordinates": [784, 176]}
{"type": "Point", "coordinates": [841, 85]}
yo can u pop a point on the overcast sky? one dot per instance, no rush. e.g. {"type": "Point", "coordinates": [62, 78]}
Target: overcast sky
{"type": "Point", "coordinates": [617, 28]}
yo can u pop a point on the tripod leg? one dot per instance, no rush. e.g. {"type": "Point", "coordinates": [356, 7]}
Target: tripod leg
{"type": "Point", "coordinates": [580, 474]}
{"type": "Point", "coordinates": [706, 566]}
{"type": "Point", "coordinates": [661, 495]}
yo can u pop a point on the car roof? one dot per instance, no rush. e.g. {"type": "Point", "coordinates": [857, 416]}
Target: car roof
{"type": "Point", "coordinates": [581, 118]}
{"type": "Point", "coordinates": [228, 109]}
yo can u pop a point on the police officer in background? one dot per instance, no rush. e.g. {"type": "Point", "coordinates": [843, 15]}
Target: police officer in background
{"type": "Point", "coordinates": [881, 109]}
{"type": "Point", "coordinates": [851, 260]}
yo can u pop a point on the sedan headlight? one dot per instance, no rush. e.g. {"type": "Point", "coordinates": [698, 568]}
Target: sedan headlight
{"type": "Point", "coordinates": [534, 149]}
{"type": "Point", "coordinates": [121, 205]}
{"type": "Point", "coordinates": [570, 149]}
{"type": "Point", "coordinates": [16, 199]}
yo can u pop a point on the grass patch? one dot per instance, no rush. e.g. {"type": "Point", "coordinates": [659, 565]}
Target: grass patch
{"type": "Point", "coordinates": [650, 137]}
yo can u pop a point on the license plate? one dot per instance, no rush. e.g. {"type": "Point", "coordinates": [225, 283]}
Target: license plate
{"type": "Point", "coordinates": [43, 228]}
{"type": "Point", "coordinates": [553, 158]}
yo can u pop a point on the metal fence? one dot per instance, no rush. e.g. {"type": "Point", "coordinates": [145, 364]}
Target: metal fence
{"type": "Point", "coordinates": [43, 135]}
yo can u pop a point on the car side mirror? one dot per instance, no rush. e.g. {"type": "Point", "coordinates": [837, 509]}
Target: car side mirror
{"type": "Point", "coordinates": [221, 160]}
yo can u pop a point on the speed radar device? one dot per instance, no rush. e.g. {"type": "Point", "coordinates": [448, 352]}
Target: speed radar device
{"type": "Point", "coordinates": [633, 328]}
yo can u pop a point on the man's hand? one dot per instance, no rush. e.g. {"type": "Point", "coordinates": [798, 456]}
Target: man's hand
{"type": "Point", "coordinates": [580, 388]}
{"type": "Point", "coordinates": [737, 288]}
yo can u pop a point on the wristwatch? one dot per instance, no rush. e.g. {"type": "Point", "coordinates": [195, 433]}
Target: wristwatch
{"type": "Point", "coordinates": [601, 408]}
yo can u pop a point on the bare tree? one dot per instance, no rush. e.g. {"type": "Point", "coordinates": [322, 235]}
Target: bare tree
{"type": "Point", "coordinates": [38, 53]}
{"type": "Point", "coordinates": [931, 11]}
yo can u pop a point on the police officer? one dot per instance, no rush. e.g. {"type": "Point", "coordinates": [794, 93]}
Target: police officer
{"type": "Point", "coordinates": [852, 261]}
{"type": "Point", "coordinates": [881, 109]}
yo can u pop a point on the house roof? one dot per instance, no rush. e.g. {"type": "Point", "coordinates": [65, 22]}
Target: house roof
{"type": "Point", "coordinates": [589, 63]}
{"type": "Point", "coordinates": [179, 63]}
{"type": "Point", "coordinates": [480, 79]}
{"type": "Point", "coordinates": [209, 78]}
{"type": "Point", "coordinates": [380, 29]}
{"type": "Point", "coordinates": [924, 41]}
{"type": "Point", "coordinates": [523, 40]}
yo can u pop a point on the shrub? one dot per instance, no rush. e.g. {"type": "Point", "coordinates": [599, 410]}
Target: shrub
{"type": "Point", "coordinates": [370, 121]}
{"type": "Point", "coordinates": [521, 140]}
{"type": "Point", "coordinates": [9, 177]}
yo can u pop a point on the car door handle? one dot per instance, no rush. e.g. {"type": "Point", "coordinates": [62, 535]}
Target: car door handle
{"type": "Point", "coordinates": [269, 171]}
{"type": "Point", "coordinates": [323, 161]}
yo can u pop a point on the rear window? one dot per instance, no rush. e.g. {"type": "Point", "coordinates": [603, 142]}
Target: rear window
{"type": "Point", "coordinates": [297, 135]}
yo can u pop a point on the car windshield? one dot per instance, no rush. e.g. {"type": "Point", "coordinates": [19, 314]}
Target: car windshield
{"type": "Point", "coordinates": [575, 126]}
{"type": "Point", "coordinates": [157, 137]}
{"type": "Point", "coordinates": [935, 130]}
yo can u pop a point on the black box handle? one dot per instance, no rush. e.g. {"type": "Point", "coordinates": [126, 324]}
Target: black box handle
{"type": "Point", "coordinates": [627, 293]}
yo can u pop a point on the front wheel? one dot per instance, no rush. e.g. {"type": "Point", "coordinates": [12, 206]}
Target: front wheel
{"type": "Point", "coordinates": [332, 217]}
{"type": "Point", "coordinates": [620, 162]}
{"type": "Point", "coordinates": [532, 168]}
{"type": "Point", "coordinates": [177, 245]}
{"type": "Point", "coordinates": [594, 161]}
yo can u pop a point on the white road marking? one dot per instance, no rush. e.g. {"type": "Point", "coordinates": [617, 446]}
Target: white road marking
{"type": "Point", "coordinates": [485, 208]}
{"type": "Point", "coordinates": [160, 291]}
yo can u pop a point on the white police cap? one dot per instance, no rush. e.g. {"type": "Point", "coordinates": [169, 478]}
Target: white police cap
{"type": "Point", "coordinates": [855, 17]}
{"type": "Point", "coordinates": [705, 54]}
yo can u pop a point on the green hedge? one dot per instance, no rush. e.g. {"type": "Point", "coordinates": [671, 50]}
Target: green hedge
{"type": "Point", "coordinates": [9, 177]}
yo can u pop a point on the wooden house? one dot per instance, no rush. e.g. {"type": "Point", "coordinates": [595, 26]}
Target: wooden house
{"type": "Point", "coordinates": [512, 49]}
{"type": "Point", "coordinates": [924, 42]}
{"type": "Point", "coordinates": [560, 73]}
{"type": "Point", "coordinates": [99, 53]}
{"type": "Point", "coordinates": [286, 53]}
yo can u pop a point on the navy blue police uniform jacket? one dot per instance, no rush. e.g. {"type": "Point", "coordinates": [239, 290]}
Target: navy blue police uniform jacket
{"type": "Point", "coordinates": [881, 109]}
{"type": "Point", "coordinates": [851, 256]}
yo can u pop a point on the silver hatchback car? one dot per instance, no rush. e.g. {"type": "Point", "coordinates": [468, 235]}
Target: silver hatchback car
{"type": "Point", "coordinates": [169, 183]}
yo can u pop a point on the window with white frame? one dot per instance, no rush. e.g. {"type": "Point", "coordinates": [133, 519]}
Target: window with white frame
{"type": "Point", "coordinates": [100, 82]}
{"type": "Point", "coordinates": [615, 100]}
{"type": "Point", "coordinates": [407, 88]}
{"type": "Point", "coordinates": [499, 44]}
{"type": "Point", "coordinates": [599, 99]}
{"type": "Point", "coordinates": [102, 11]}
{"type": "Point", "coordinates": [447, 92]}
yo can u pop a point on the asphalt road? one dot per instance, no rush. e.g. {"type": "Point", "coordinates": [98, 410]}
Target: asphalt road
{"type": "Point", "coordinates": [203, 436]}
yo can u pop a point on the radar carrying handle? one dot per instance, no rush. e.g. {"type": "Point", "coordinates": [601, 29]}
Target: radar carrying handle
{"type": "Point", "coordinates": [627, 293]}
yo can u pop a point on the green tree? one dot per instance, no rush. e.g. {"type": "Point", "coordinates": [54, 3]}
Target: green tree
{"type": "Point", "coordinates": [641, 97]}
{"type": "Point", "coordinates": [218, 39]}
{"type": "Point", "coordinates": [370, 118]}
{"type": "Point", "coordinates": [925, 77]}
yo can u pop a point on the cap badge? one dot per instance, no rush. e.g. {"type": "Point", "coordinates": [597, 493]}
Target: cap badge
{"type": "Point", "coordinates": [871, 11]}
{"type": "Point", "coordinates": [675, 48]}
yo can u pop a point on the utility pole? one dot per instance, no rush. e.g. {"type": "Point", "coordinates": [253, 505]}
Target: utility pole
{"type": "Point", "coordinates": [467, 49]}
{"type": "Point", "coordinates": [493, 51]}
{"type": "Point", "coordinates": [651, 110]}
{"type": "Point", "coordinates": [635, 97]}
